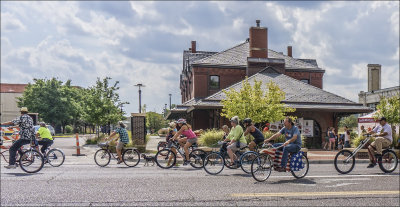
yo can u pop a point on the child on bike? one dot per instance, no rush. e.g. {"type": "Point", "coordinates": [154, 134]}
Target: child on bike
{"type": "Point", "coordinates": [46, 140]}
{"type": "Point", "coordinates": [256, 133]}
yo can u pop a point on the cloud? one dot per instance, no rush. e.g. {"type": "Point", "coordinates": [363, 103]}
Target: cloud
{"type": "Point", "coordinates": [9, 23]}
{"type": "Point", "coordinates": [143, 41]}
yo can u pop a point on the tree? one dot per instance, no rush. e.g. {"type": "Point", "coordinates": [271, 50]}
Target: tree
{"type": "Point", "coordinates": [155, 121]}
{"type": "Point", "coordinates": [253, 102]}
{"type": "Point", "coordinates": [56, 103]}
{"type": "Point", "coordinates": [102, 103]}
{"type": "Point", "coordinates": [390, 109]}
{"type": "Point", "coordinates": [349, 121]}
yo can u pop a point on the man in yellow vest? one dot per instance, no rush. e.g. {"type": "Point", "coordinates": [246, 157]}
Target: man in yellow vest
{"type": "Point", "coordinates": [46, 138]}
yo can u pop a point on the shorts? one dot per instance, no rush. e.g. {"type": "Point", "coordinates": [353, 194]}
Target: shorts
{"type": "Point", "coordinates": [120, 145]}
{"type": "Point", "coordinates": [258, 141]}
{"type": "Point", "coordinates": [192, 140]}
{"type": "Point", "coordinates": [332, 139]}
{"type": "Point", "coordinates": [234, 148]}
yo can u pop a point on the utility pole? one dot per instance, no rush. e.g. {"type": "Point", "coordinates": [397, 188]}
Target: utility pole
{"type": "Point", "coordinates": [170, 101]}
{"type": "Point", "coordinates": [140, 96]}
{"type": "Point", "coordinates": [165, 110]}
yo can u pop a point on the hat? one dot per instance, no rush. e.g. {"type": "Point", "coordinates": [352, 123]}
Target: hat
{"type": "Point", "coordinates": [24, 109]}
{"type": "Point", "coordinates": [382, 119]}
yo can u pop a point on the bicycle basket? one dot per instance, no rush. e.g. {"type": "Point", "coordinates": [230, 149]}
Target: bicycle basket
{"type": "Point", "coordinates": [296, 162]}
{"type": "Point", "coordinates": [103, 145]}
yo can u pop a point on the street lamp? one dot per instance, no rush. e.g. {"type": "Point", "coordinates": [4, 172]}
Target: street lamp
{"type": "Point", "coordinates": [165, 109]}
{"type": "Point", "coordinates": [140, 96]}
{"type": "Point", "coordinates": [170, 101]}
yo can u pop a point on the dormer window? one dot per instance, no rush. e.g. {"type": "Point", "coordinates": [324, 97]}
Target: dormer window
{"type": "Point", "coordinates": [214, 82]}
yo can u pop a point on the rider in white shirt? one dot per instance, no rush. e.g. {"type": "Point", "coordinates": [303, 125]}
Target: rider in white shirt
{"type": "Point", "coordinates": [383, 134]}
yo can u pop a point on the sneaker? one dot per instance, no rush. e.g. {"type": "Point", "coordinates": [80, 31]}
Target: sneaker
{"type": "Point", "coordinates": [371, 165]}
{"type": "Point", "coordinates": [10, 166]}
{"type": "Point", "coordinates": [186, 162]}
{"type": "Point", "coordinates": [119, 162]}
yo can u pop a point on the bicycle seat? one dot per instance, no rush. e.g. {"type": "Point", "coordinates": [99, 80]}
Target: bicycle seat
{"type": "Point", "coordinates": [242, 148]}
{"type": "Point", "coordinates": [195, 145]}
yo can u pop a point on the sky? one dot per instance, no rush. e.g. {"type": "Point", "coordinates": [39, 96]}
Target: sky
{"type": "Point", "coordinates": [143, 42]}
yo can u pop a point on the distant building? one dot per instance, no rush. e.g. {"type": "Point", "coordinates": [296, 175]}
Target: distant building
{"type": "Point", "coordinates": [373, 96]}
{"type": "Point", "coordinates": [206, 74]}
{"type": "Point", "coordinates": [9, 94]}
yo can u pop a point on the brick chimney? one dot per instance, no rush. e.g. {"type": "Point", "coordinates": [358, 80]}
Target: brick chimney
{"type": "Point", "coordinates": [374, 77]}
{"type": "Point", "coordinates": [258, 41]}
{"type": "Point", "coordinates": [193, 47]}
{"type": "Point", "coordinates": [289, 51]}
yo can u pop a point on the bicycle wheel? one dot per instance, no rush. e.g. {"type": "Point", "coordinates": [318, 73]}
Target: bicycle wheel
{"type": "Point", "coordinates": [131, 157]}
{"type": "Point", "coordinates": [55, 157]}
{"type": "Point", "coordinates": [196, 158]}
{"type": "Point", "coordinates": [161, 146]}
{"type": "Point", "coordinates": [102, 157]}
{"type": "Point", "coordinates": [388, 162]}
{"type": "Point", "coordinates": [303, 170]}
{"type": "Point", "coordinates": [261, 167]}
{"type": "Point", "coordinates": [165, 159]}
{"type": "Point", "coordinates": [246, 159]}
{"type": "Point", "coordinates": [344, 161]}
{"type": "Point", "coordinates": [213, 163]}
{"type": "Point", "coordinates": [31, 161]}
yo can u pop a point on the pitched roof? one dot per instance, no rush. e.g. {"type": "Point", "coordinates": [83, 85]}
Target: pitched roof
{"type": "Point", "coordinates": [237, 56]}
{"type": "Point", "coordinates": [295, 90]}
{"type": "Point", "coordinates": [12, 88]}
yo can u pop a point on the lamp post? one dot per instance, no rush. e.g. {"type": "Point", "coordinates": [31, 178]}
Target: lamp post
{"type": "Point", "coordinates": [170, 101]}
{"type": "Point", "coordinates": [140, 96]}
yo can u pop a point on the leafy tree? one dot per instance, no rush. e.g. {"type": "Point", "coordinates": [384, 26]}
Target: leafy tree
{"type": "Point", "coordinates": [390, 109]}
{"type": "Point", "coordinates": [155, 121]}
{"type": "Point", "coordinates": [101, 103]}
{"type": "Point", "coordinates": [349, 121]}
{"type": "Point", "coordinates": [56, 103]}
{"type": "Point", "coordinates": [253, 102]}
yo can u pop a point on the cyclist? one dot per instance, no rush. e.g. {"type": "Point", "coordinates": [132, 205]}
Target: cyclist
{"type": "Point", "coordinates": [123, 139]}
{"type": "Point", "coordinates": [383, 134]}
{"type": "Point", "coordinates": [237, 139]}
{"type": "Point", "coordinates": [189, 139]}
{"type": "Point", "coordinates": [46, 138]}
{"type": "Point", "coordinates": [256, 133]}
{"type": "Point", "coordinates": [26, 132]}
{"type": "Point", "coordinates": [292, 144]}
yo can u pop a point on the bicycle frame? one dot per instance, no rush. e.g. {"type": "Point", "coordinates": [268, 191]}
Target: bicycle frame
{"type": "Point", "coordinates": [358, 148]}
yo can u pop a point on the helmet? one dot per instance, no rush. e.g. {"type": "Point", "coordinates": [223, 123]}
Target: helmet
{"type": "Point", "coordinates": [247, 121]}
{"type": "Point", "coordinates": [181, 121]}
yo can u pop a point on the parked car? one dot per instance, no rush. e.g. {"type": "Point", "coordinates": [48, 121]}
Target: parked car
{"type": "Point", "coordinates": [52, 131]}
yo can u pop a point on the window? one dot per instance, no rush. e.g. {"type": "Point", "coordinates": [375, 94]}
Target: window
{"type": "Point", "coordinates": [214, 82]}
{"type": "Point", "coordinates": [305, 81]}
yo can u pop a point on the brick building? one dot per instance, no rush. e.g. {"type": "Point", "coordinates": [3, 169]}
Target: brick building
{"type": "Point", "coordinates": [204, 75]}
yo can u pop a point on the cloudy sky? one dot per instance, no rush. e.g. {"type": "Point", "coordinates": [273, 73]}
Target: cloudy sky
{"type": "Point", "coordinates": [142, 42]}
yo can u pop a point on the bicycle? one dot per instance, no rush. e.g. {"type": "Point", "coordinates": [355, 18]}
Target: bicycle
{"type": "Point", "coordinates": [270, 158]}
{"type": "Point", "coordinates": [30, 160]}
{"type": "Point", "coordinates": [247, 158]}
{"type": "Point", "coordinates": [215, 162]}
{"type": "Point", "coordinates": [55, 157]}
{"type": "Point", "coordinates": [102, 157]}
{"type": "Point", "coordinates": [166, 158]}
{"type": "Point", "coordinates": [345, 159]}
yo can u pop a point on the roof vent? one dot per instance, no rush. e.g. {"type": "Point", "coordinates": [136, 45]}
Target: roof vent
{"type": "Point", "coordinates": [258, 22]}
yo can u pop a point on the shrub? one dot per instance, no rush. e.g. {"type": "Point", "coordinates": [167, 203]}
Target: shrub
{"type": "Point", "coordinates": [211, 137]}
{"type": "Point", "coordinates": [163, 132]}
{"type": "Point", "coordinates": [396, 143]}
{"type": "Point", "coordinates": [280, 139]}
{"type": "Point", "coordinates": [357, 141]}
{"type": "Point", "coordinates": [68, 129]}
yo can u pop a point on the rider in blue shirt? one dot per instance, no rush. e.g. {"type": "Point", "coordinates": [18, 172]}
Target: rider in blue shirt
{"type": "Point", "coordinates": [292, 144]}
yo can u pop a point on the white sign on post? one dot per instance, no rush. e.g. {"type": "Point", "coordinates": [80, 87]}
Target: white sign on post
{"type": "Point", "coordinates": [308, 128]}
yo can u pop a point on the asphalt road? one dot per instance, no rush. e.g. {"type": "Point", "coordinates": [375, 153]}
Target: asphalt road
{"type": "Point", "coordinates": [85, 184]}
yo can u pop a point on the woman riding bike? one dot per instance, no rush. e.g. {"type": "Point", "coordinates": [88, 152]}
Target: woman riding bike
{"type": "Point", "coordinates": [187, 141]}
{"type": "Point", "coordinates": [237, 139]}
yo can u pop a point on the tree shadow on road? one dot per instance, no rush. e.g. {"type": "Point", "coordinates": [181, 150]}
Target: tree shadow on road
{"type": "Point", "coordinates": [23, 174]}
{"type": "Point", "coordinates": [297, 181]}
